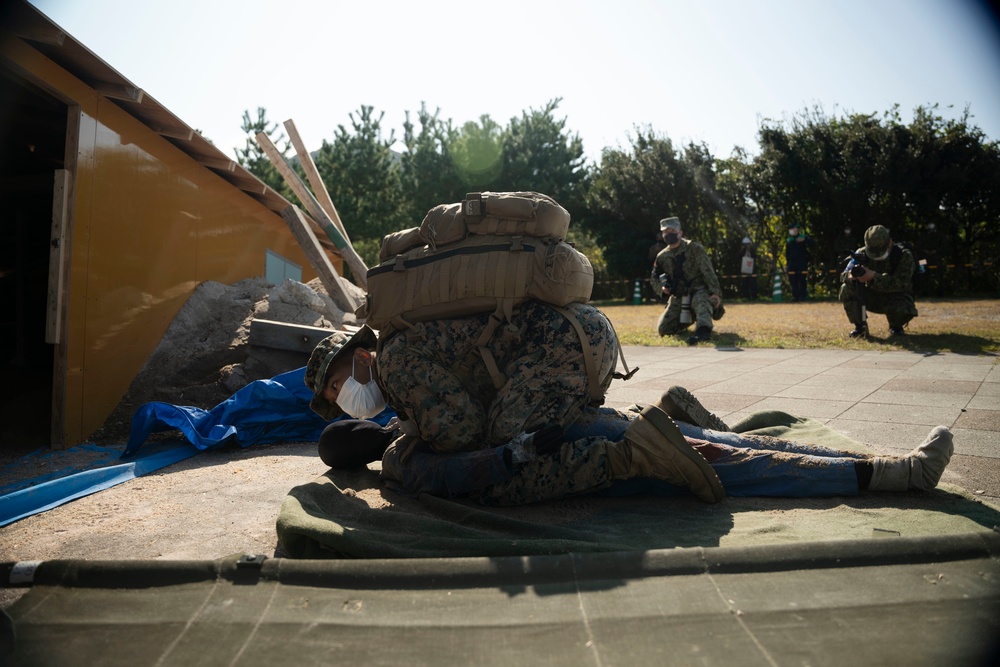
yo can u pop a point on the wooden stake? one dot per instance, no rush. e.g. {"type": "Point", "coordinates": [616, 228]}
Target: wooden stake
{"type": "Point", "coordinates": [318, 259]}
{"type": "Point", "coordinates": [318, 187]}
{"type": "Point", "coordinates": [352, 258]}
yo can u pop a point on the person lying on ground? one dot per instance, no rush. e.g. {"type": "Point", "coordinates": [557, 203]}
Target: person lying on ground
{"type": "Point", "coordinates": [611, 451]}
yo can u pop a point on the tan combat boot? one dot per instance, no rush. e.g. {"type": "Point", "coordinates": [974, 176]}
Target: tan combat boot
{"type": "Point", "coordinates": [920, 470]}
{"type": "Point", "coordinates": [654, 447]}
{"type": "Point", "coordinates": [682, 405]}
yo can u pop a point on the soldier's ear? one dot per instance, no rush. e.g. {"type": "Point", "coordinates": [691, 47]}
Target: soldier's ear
{"type": "Point", "coordinates": [363, 356]}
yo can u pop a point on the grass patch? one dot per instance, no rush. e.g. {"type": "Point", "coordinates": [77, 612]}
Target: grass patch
{"type": "Point", "coordinates": [962, 326]}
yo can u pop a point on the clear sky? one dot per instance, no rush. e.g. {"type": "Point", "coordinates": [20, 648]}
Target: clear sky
{"type": "Point", "coordinates": [695, 70]}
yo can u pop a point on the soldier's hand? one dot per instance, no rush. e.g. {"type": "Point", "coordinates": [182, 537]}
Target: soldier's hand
{"type": "Point", "coordinates": [665, 290]}
{"type": "Point", "coordinates": [715, 299]}
{"type": "Point", "coordinates": [866, 276]}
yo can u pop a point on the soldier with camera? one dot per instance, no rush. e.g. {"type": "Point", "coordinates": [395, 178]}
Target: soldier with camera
{"type": "Point", "coordinates": [683, 273]}
{"type": "Point", "coordinates": [879, 278]}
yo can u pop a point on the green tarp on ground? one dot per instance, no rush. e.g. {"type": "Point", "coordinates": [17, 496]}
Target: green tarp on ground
{"type": "Point", "coordinates": [352, 515]}
{"type": "Point", "coordinates": [908, 601]}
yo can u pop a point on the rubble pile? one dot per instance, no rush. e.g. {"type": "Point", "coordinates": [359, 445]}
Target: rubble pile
{"type": "Point", "coordinates": [205, 355]}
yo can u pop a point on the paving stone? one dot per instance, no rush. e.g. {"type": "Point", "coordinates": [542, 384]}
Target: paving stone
{"type": "Point", "coordinates": [980, 420]}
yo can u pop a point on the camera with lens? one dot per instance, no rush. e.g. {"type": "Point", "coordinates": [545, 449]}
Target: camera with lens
{"type": "Point", "coordinates": [676, 287]}
{"type": "Point", "coordinates": [856, 264]}
{"type": "Point", "coordinates": [666, 280]}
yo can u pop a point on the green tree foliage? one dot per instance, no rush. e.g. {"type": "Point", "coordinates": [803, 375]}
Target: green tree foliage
{"type": "Point", "coordinates": [428, 173]}
{"type": "Point", "coordinates": [362, 175]}
{"type": "Point", "coordinates": [477, 154]}
{"type": "Point", "coordinates": [541, 155]}
{"type": "Point", "coordinates": [632, 191]}
{"type": "Point", "coordinates": [252, 158]}
{"type": "Point", "coordinates": [933, 183]}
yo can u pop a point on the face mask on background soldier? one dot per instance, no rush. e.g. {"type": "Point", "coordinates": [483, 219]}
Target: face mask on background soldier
{"type": "Point", "coordinates": [670, 238]}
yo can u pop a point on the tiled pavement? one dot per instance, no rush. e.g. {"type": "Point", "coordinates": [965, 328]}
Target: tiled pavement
{"type": "Point", "coordinates": [889, 400]}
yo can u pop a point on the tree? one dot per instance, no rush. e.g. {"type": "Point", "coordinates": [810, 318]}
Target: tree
{"type": "Point", "coordinates": [362, 174]}
{"type": "Point", "coordinates": [428, 173]}
{"type": "Point", "coordinates": [539, 154]}
{"type": "Point", "coordinates": [252, 156]}
{"type": "Point", "coordinates": [630, 192]}
{"type": "Point", "coordinates": [932, 183]}
{"type": "Point", "coordinates": [477, 153]}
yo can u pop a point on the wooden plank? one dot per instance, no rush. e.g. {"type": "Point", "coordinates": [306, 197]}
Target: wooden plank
{"type": "Point", "coordinates": [285, 336]}
{"type": "Point", "coordinates": [116, 91]}
{"type": "Point", "coordinates": [57, 255]}
{"type": "Point", "coordinates": [358, 267]}
{"type": "Point", "coordinates": [318, 259]}
{"type": "Point", "coordinates": [60, 356]}
{"type": "Point", "coordinates": [317, 184]}
{"type": "Point", "coordinates": [349, 254]}
{"type": "Point", "coordinates": [182, 133]}
{"type": "Point", "coordinates": [220, 163]}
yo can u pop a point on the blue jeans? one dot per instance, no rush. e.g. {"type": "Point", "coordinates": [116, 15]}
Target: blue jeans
{"type": "Point", "coordinates": [747, 465]}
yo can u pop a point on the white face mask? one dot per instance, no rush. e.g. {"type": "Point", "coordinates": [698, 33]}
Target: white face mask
{"type": "Point", "coordinates": [361, 401]}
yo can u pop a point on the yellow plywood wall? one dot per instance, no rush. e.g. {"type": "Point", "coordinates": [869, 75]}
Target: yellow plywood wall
{"type": "Point", "coordinates": [148, 225]}
{"type": "Point", "coordinates": [153, 225]}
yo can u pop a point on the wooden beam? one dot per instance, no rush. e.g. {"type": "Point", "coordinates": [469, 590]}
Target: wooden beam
{"type": "Point", "coordinates": [318, 259]}
{"type": "Point", "coordinates": [57, 254]}
{"type": "Point", "coordinates": [349, 254]}
{"type": "Point", "coordinates": [116, 91]}
{"type": "Point", "coordinates": [220, 163]}
{"type": "Point", "coordinates": [312, 174]}
{"type": "Point", "coordinates": [40, 34]}
{"type": "Point", "coordinates": [284, 336]}
{"type": "Point", "coordinates": [357, 265]}
{"type": "Point", "coordinates": [182, 133]}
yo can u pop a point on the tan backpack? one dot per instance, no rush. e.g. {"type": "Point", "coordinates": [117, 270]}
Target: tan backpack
{"type": "Point", "coordinates": [488, 253]}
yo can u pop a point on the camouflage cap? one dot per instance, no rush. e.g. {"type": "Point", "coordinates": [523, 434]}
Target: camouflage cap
{"type": "Point", "coordinates": [328, 351]}
{"type": "Point", "coordinates": [670, 223]}
{"type": "Point", "coordinates": [876, 241]}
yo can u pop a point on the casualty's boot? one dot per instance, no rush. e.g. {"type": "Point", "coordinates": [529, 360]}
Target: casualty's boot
{"type": "Point", "coordinates": [920, 470]}
{"type": "Point", "coordinates": [860, 331]}
{"type": "Point", "coordinates": [654, 447]}
{"type": "Point", "coordinates": [682, 405]}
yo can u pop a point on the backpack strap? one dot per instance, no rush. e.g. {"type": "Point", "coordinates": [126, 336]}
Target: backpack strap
{"type": "Point", "coordinates": [496, 317]}
{"type": "Point", "coordinates": [593, 382]}
{"type": "Point", "coordinates": [627, 375]}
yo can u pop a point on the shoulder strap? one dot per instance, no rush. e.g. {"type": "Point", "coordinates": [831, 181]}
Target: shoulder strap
{"type": "Point", "coordinates": [593, 382]}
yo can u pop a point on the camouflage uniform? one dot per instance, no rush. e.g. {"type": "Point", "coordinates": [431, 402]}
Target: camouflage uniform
{"type": "Point", "coordinates": [433, 374]}
{"type": "Point", "coordinates": [700, 280]}
{"type": "Point", "coordinates": [890, 292]}
{"type": "Point", "coordinates": [748, 465]}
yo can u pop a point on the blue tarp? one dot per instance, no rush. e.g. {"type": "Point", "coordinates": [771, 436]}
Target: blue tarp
{"type": "Point", "coordinates": [275, 410]}
{"type": "Point", "coordinates": [264, 411]}
{"type": "Point", "coordinates": [39, 498]}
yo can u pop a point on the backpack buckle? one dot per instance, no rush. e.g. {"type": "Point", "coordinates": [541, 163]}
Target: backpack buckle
{"type": "Point", "coordinates": [472, 207]}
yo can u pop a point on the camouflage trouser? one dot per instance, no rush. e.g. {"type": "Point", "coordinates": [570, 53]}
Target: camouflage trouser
{"type": "Point", "coordinates": [433, 374]}
{"type": "Point", "coordinates": [579, 467]}
{"type": "Point", "coordinates": [701, 313]}
{"type": "Point", "coordinates": [747, 465]}
{"type": "Point", "coordinates": [898, 307]}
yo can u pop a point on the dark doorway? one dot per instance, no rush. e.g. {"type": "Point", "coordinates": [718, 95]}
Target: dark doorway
{"type": "Point", "coordinates": [32, 148]}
